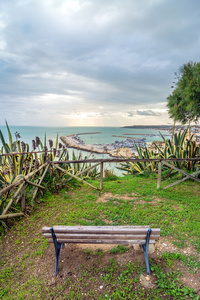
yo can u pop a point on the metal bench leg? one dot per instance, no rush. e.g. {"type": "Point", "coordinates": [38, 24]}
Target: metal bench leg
{"type": "Point", "coordinates": [146, 251]}
{"type": "Point", "coordinates": [57, 249]}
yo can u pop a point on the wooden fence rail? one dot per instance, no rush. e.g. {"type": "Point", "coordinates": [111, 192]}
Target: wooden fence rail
{"type": "Point", "coordinates": [187, 176]}
{"type": "Point", "coordinates": [97, 162]}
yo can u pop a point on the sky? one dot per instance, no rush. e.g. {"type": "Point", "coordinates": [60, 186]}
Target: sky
{"type": "Point", "coordinates": [93, 62]}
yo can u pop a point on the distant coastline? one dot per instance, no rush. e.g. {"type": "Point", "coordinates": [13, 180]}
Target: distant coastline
{"type": "Point", "coordinates": [158, 127]}
{"type": "Point", "coordinates": [149, 126]}
{"type": "Point", "coordinates": [155, 127]}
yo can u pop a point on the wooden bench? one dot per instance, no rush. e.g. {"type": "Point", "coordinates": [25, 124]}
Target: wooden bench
{"type": "Point", "coordinates": [125, 235]}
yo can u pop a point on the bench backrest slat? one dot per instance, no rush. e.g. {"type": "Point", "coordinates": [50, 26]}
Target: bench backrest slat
{"type": "Point", "coordinates": [92, 241]}
{"type": "Point", "coordinates": [126, 230]}
{"type": "Point", "coordinates": [91, 228]}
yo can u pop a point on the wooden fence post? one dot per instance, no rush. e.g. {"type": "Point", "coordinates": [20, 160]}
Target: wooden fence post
{"type": "Point", "coordinates": [101, 177]}
{"type": "Point", "coordinates": [23, 204]}
{"type": "Point", "coordinates": [35, 192]}
{"type": "Point", "coordinates": [159, 174]}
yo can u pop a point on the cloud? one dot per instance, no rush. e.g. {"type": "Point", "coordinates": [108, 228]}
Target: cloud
{"type": "Point", "coordinates": [84, 56]}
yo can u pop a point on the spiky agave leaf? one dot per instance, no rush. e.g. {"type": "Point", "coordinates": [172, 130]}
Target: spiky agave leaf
{"type": "Point", "coordinates": [3, 179]}
{"type": "Point", "coordinates": [63, 155]}
{"type": "Point", "coordinates": [162, 136]}
{"type": "Point", "coordinates": [18, 146]}
{"type": "Point", "coordinates": [5, 146]}
{"type": "Point", "coordinates": [45, 139]}
{"type": "Point", "coordinates": [159, 149]}
{"type": "Point", "coordinates": [41, 146]}
{"type": "Point", "coordinates": [176, 139]}
{"type": "Point", "coordinates": [139, 151]}
{"type": "Point", "coordinates": [9, 134]}
{"type": "Point", "coordinates": [182, 136]}
{"type": "Point", "coordinates": [56, 142]}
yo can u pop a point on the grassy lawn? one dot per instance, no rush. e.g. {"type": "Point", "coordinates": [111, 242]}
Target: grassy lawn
{"type": "Point", "coordinates": [27, 261]}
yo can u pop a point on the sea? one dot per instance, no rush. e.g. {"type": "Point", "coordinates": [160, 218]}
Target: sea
{"type": "Point", "coordinates": [107, 135]}
{"type": "Point", "coordinates": [96, 135]}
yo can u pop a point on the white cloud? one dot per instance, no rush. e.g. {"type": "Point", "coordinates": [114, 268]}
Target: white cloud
{"type": "Point", "coordinates": [103, 60]}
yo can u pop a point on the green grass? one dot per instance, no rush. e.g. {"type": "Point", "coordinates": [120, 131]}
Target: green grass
{"type": "Point", "coordinates": [190, 261]}
{"type": "Point", "coordinates": [170, 284]}
{"type": "Point", "coordinates": [175, 211]}
{"type": "Point", "coordinates": [119, 249]}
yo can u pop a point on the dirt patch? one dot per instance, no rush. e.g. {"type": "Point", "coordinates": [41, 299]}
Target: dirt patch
{"type": "Point", "coordinates": [19, 251]}
{"type": "Point", "coordinates": [108, 221]}
{"type": "Point", "coordinates": [140, 202]}
{"type": "Point", "coordinates": [125, 197]}
{"type": "Point", "coordinates": [94, 247]}
{"type": "Point", "coordinates": [191, 280]}
{"type": "Point", "coordinates": [109, 196]}
{"type": "Point", "coordinates": [155, 201]}
{"type": "Point", "coordinates": [147, 282]}
{"type": "Point", "coordinates": [105, 197]}
{"type": "Point", "coordinates": [74, 260]}
{"type": "Point", "coordinates": [164, 244]}
{"type": "Point", "coordinates": [176, 207]}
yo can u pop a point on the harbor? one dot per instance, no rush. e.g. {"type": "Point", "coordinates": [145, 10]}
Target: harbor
{"type": "Point", "coordinates": [125, 147]}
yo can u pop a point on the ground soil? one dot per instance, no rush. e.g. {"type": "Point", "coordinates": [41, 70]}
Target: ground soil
{"type": "Point", "coordinates": [73, 256]}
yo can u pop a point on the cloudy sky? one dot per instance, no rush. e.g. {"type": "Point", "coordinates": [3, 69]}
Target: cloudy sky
{"type": "Point", "coordinates": [93, 62]}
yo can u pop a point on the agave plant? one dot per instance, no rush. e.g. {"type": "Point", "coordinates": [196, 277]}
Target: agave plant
{"type": "Point", "coordinates": [141, 167]}
{"type": "Point", "coordinates": [19, 162]}
{"type": "Point", "coordinates": [76, 167]}
{"type": "Point", "coordinates": [182, 148]}
{"type": "Point", "coordinates": [12, 165]}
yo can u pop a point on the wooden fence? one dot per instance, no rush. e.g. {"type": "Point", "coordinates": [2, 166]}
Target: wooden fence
{"type": "Point", "coordinates": [97, 162]}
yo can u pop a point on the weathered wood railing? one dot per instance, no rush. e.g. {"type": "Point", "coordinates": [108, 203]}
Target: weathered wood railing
{"type": "Point", "coordinates": [187, 175]}
{"type": "Point", "coordinates": [97, 162]}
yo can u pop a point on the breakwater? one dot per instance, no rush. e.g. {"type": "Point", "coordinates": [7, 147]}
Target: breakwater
{"type": "Point", "coordinates": [125, 147]}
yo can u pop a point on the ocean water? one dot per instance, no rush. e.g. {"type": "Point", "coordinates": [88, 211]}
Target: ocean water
{"type": "Point", "coordinates": [28, 133]}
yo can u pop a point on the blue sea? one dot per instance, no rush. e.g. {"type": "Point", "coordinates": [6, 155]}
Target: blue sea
{"type": "Point", "coordinates": [28, 133]}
